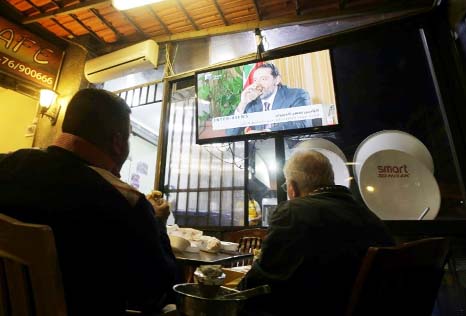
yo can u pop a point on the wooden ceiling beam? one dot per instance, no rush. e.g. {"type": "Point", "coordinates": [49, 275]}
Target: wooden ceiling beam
{"type": "Point", "coordinates": [63, 27]}
{"type": "Point", "coordinates": [257, 9]}
{"type": "Point", "coordinates": [219, 11]}
{"type": "Point", "coordinates": [94, 34]}
{"type": "Point", "coordinates": [89, 49]}
{"type": "Point", "coordinates": [58, 5]}
{"type": "Point", "coordinates": [131, 21]}
{"type": "Point", "coordinates": [34, 6]}
{"type": "Point", "coordinates": [268, 24]}
{"type": "Point", "coordinates": [64, 11]}
{"type": "Point", "coordinates": [10, 11]}
{"type": "Point", "coordinates": [193, 24]}
{"type": "Point", "coordinates": [158, 19]}
{"type": "Point", "coordinates": [107, 23]}
{"type": "Point", "coordinates": [297, 7]}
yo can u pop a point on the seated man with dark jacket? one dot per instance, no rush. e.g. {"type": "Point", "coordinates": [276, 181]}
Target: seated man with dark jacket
{"type": "Point", "coordinates": [314, 245]}
{"type": "Point", "coordinates": [112, 244]}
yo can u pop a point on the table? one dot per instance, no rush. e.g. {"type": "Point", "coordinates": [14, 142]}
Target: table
{"type": "Point", "coordinates": [191, 260]}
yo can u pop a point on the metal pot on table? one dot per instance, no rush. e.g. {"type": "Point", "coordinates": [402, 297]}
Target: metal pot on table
{"type": "Point", "coordinates": [227, 302]}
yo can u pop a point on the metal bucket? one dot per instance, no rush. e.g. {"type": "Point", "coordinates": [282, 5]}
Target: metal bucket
{"type": "Point", "coordinates": [191, 303]}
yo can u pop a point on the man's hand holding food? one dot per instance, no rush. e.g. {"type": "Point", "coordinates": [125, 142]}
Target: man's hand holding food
{"type": "Point", "coordinates": [160, 205]}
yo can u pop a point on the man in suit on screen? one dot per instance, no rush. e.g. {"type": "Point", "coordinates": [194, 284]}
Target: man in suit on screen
{"type": "Point", "coordinates": [266, 93]}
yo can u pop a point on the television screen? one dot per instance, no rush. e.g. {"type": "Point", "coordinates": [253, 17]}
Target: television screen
{"type": "Point", "coordinates": [290, 95]}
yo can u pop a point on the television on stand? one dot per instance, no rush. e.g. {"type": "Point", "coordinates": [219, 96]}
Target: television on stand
{"type": "Point", "coordinates": [290, 95]}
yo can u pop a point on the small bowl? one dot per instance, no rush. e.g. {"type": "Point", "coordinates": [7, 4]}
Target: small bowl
{"type": "Point", "coordinates": [229, 246]}
{"type": "Point", "coordinates": [179, 243]}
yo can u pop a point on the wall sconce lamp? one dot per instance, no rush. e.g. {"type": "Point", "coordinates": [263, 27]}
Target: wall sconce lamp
{"type": "Point", "coordinates": [47, 105]}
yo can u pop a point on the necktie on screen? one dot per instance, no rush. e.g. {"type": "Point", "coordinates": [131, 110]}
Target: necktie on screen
{"type": "Point", "coordinates": [267, 106]}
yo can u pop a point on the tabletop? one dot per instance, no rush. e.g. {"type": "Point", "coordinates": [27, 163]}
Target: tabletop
{"type": "Point", "coordinates": [202, 257]}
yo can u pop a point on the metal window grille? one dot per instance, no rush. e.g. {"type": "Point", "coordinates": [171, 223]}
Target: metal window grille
{"type": "Point", "coordinates": [145, 94]}
{"type": "Point", "coordinates": [205, 183]}
{"type": "Point", "coordinates": [139, 96]}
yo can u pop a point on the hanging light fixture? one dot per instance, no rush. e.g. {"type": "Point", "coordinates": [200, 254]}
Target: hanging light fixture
{"type": "Point", "coordinates": [129, 4]}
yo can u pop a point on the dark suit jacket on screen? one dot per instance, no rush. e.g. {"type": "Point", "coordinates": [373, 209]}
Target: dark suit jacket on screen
{"type": "Point", "coordinates": [285, 98]}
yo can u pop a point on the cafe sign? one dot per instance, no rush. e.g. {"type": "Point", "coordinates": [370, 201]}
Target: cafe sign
{"type": "Point", "coordinates": [25, 55]}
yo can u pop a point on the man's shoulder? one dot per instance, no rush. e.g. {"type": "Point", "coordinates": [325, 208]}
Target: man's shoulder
{"type": "Point", "coordinates": [22, 156]}
{"type": "Point", "coordinates": [292, 91]}
{"type": "Point", "coordinates": [131, 194]}
{"type": "Point", "coordinates": [22, 152]}
{"type": "Point", "coordinates": [298, 210]}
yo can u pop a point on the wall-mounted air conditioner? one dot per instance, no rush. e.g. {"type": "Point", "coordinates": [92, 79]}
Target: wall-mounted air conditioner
{"type": "Point", "coordinates": [131, 59]}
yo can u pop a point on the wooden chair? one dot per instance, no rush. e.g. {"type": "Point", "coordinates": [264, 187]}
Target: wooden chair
{"type": "Point", "coordinates": [248, 239]}
{"type": "Point", "coordinates": [401, 280]}
{"type": "Point", "coordinates": [30, 278]}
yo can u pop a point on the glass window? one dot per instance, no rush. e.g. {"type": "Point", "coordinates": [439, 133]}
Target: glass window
{"type": "Point", "coordinates": [139, 169]}
{"type": "Point", "coordinates": [262, 179]}
{"type": "Point", "coordinates": [205, 184]}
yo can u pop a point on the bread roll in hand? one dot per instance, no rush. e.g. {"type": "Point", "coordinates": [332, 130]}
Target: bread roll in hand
{"type": "Point", "coordinates": [155, 195]}
{"type": "Point", "coordinates": [161, 207]}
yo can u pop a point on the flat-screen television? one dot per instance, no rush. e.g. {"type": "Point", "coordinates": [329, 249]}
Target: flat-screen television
{"type": "Point", "coordinates": [290, 95]}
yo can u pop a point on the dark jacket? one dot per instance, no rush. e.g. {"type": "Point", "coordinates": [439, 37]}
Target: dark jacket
{"type": "Point", "coordinates": [112, 249]}
{"type": "Point", "coordinates": [312, 253]}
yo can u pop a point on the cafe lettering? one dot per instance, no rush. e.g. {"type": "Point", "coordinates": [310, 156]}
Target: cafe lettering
{"type": "Point", "coordinates": [25, 55]}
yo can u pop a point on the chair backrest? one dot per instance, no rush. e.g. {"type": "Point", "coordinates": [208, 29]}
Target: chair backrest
{"type": "Point", "coordinates": [249, 244]}
{"type": "Point", "coordinates": [235, 236]}
{"type": "Point", "coordinates": [30, 278]}
{"type": "Point", "coordinates": [401, 280]}
{"type": "Point", "coordinates": [248, 239]}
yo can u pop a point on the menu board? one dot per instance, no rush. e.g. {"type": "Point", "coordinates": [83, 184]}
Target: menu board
{"type": "Point", "coordinates": [25, 55]}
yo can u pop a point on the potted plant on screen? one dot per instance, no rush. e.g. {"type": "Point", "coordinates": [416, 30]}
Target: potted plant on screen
{"type": "Point", "coordinates": [221, 90]}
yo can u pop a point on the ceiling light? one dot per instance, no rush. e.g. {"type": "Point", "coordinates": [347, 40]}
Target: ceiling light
{"type": "Point", "coordinates": [129, 4]}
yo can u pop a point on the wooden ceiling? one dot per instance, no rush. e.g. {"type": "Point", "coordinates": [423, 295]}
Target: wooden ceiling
{"type": "Point", "coordinates": [97, 25]}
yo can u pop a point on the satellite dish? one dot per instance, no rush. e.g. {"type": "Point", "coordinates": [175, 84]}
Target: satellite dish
{"type": "Point", "coordinates": [396, 186]}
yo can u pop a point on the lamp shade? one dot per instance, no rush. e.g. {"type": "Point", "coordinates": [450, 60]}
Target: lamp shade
{"type": "Point", "coordinates": [47, 97]}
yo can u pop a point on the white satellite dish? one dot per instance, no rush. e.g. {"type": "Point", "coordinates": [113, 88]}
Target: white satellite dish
{"type": "Point", "coordinates": [391, 139]}
{"type": "Point", "coordinates": [333, 153]}
{"type": "Point", "coordinates": [397, 186]}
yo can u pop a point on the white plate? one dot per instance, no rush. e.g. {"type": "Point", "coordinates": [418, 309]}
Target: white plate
{"type": "Point", "coordinates": [391, 139]}
{"type": "Point", "coordinates": [395, 186]}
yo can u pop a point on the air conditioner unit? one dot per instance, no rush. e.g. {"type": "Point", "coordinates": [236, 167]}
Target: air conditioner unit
{"type": "Point", "coordinates": [131, 59]}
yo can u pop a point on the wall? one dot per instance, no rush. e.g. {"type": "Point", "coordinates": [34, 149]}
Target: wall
{"type": "Point", "coordinates": [195, 54]}
{"type": "Point", "coordinates": [139, 169]}
{"type": "Point", "coordinates": [71, 80]}
{"type": "Point", "coordinates": [16, 112]}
